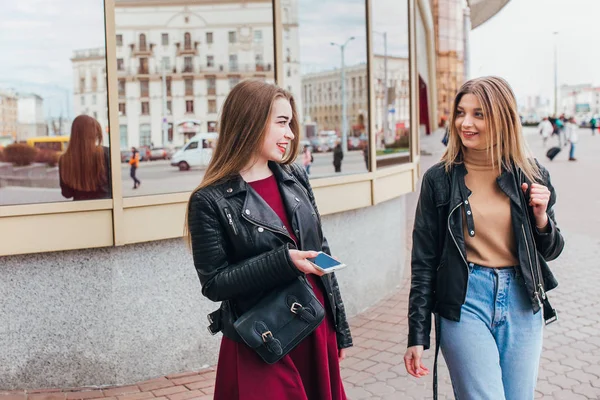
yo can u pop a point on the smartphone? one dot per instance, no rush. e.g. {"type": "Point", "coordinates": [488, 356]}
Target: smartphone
{"type": "Point", "coordinates": [325, 263]}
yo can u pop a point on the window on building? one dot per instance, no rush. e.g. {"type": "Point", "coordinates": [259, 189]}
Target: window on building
{"type": "Point", "coordinates": [170, 132]}
{"type": "Point", "coordinates": [189, 106]}
{"type": "Point", "coordinates": [212, 106]}
{"type": "Point", "coordinates": [288, 55]}
{"type": "Point", "coordinates": [211, 85]}
{"type": "Point", "coordinates": [258, 36]}
{"type": "Point", "coordinates": [233, 62]}
{"type": "Point", "coordinates": [189, 86]}
{"type": "Point", "coordinates": [83, 100]}
{"type": "Point", "coordinates": [120, 64]}
{"type": "Point", "coordinates": [119, 40]}
{"type": "Point", "coordinates": [165, 39]}
{"type": "Point", "coordinates": [143, 45]}
{"type": "Point", "coordinates": [145, 108]}
{"type": "Point", "coordinates": [123, 136]}
{"type": "Point", "coordinates": [209, 37]}
{"type": "Point", "coordinates": [121, 87]}
{"type": "Point", "coordinates": [95, 115]}
{"type": "Point", "coordinates": [233, 80]}
{"type": "Point", "coordinates": [94, 99]}
{"type": "Point", "coordinates": [188, 65]}
{"type": "Point", "coordinates": [122, 109]}
{"type": "Point", "coordinates": [187, 41]}
{"type": "Point", "coordinates": [144, 88]}
{"type": "Point", "coordinates": [232, 37]}
{"type": "Point", "coordinates": [289, 72]}
{"type": "Point", "coordinates": [212, 126]}
{"type": "Point", "coordinates": [166, 63]}
{"type": "Point", "coordinates": [168, 86]}
{"type": "Point", "coordinates": [169, 107]}
{"type": "Point", "coordinates": [260, 62]}
{"type": "Point", "coordinates": [210, 61]}
{"type": "Point", "coordinates": [145, 135]}
{"type": "Point", "coordinates": [143, 66]}
{"type": "Point", "coordinates": [94, 84]}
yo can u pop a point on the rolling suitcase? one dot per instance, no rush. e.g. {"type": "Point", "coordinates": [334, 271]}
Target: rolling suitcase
{"type": "Point", "coordinates": [552, 152]}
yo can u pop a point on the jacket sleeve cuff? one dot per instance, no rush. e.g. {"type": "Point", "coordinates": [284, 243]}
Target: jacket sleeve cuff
{"type": "Point", "coordinates": [546, 237]}
{"type": "Point", "coordinates": [419, 340]}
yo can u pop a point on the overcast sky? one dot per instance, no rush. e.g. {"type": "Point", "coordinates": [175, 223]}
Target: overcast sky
{"type": "Point", "coordinates": [518, 44]}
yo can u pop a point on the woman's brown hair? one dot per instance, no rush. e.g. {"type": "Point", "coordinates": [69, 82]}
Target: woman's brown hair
{"type": "Point", "coordinates": [507, 145]}
{"type": "Point", "coordinates": [82, 165]}
{"type": "Point", "coordinates": [242, 127]}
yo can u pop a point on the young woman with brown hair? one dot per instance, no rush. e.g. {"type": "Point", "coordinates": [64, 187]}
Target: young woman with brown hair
{"type": "Point", "coordinates": [253, 223]}
{"type": "Point", "coordinates": [484, 231]}
{"type": "Point", "coordinates": [84, 168]}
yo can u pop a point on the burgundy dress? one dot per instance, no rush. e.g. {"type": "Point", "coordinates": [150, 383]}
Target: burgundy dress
{"type": "Point", "coordinates": [311, 371]}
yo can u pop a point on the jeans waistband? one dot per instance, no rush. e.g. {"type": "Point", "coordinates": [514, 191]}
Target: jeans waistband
{"type": "Point", "coordinates": [509, 269]}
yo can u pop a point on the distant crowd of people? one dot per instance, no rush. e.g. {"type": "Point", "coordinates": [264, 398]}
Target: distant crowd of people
{"type": "Point", "coordinates": [565, 130]}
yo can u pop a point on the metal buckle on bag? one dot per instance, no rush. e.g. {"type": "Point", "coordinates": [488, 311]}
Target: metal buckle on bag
{"type": "Point", "coordinates": [265, 336]}
{"type": "Point", "coordinates": [296, 307]}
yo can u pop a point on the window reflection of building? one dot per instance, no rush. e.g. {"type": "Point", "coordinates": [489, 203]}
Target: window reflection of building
{"type": "Point", "coordinates": [89, 82]}
{"type": "Point", "coordinates": [322, 99]}
{"type": "Point", "coordinates": [291, 59]}
{"type": "Point", "coordinates": [8, 114]}
{"type": "Point", "coordinates": [199, 45]}
{"type": "Point", "coordinates": [449, 20]}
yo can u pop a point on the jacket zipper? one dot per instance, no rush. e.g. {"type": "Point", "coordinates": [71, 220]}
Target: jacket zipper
{"type": "Point", "coordinates": [271, 230]}
{"type": "Point", "coordinates": [536, 284]}
{"type": "Point", "coordinates": [230, 221]}
{"type": "Point", "coordinates": [454, 239]}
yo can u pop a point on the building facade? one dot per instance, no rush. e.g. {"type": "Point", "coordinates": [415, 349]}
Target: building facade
{"type": "Point", "coordinates": [580, 101]}
{"type": "Point", "coordinates": [451, 20]}
{"type": "Point", "coordinates": [30, 116]}
{"type": "Point", "coordinates": [8, 114]}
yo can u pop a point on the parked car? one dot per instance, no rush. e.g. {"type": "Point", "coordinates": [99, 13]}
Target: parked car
{"type": "Point", "coordinates": [196, 153]}
{"type": "Point", "coordinates": [158, 153]}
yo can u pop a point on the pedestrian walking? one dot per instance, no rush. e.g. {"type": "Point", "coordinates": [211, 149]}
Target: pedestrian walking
{"type": "Point", "coordinates": [572, 137]}
{"type": "Point", "coordinates": [253, 224]}
{"type": "Point", "coordinates": [134, 162]}
{"type": "Point", "coordinates": [84, 168]}
{"type": "Point", "coordinates": [545, 128]}
{"type": "Point", "coordinates": [593, 123]}
{"type": "Point", "coordinates": [483, 233]}
{"type": "Point", "coordinates": [338, 156]}
{"type": "Point", "coordinates": [307, 158]}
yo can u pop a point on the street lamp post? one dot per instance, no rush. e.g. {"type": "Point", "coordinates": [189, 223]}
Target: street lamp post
{"type": "Point", "coordinates": [386, 100]}
{"type": "Point", "coordinates": [555, 76]}
{"type": "Point", "coordinates": [165, 126]}
{"type": "Point", "coordinates": [343, 89]}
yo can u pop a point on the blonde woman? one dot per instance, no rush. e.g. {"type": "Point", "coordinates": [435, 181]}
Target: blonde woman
{"type": "Point", "coordinates": [484, 231]}
{"type": "Point", "coordinates": [253, 224]}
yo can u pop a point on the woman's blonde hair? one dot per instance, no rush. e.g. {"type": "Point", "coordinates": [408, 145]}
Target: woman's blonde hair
{"type": "Point", "coordinates": [507, 146]}
{"type": "Point", "coordinates": [244, 122]}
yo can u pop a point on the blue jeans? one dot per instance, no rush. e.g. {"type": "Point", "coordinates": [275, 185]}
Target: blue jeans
{"type": "Point", "coordinates": [493, 353]}
{"type": "Point", "coordinates": [572, 152]}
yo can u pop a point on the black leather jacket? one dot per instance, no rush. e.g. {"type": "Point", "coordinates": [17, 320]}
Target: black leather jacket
{"type": "Point", "coordinates": [240, 248]}
{"type": "Point", "coordinates": [439, 266]}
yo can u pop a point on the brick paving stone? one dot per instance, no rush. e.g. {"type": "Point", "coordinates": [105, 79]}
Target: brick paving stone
{"type": "Point", "coordinates": [121, 390]}
{"type": "Point", "coordinates": [47, 396]}
{"type": "Point", "coordinates": [568, 395]}
{"type": "Point", "coordinates": [378, 388]}
{"type": "Point", "coordinates": [185, 395]}
{"type": "Point", "coordinates": [169, 391]}
{"type": "Point", "coordinates": [89, 394]}
{"type": "Point", "coordinates": [136, 396]}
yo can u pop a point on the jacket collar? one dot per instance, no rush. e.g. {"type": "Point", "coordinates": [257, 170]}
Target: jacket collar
{"type": "Point", "coordinates": [507, 181]}
{"type": "Point", "coordinates": [255, 208]}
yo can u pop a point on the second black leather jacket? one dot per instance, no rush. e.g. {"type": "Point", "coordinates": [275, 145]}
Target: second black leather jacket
{"type": "Point", "coordinates": [241, 250]}
{"type": "Point", "coordinates": [439, 258]}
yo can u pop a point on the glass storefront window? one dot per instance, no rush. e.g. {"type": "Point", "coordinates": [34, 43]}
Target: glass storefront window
{"type": "Point", "coordinates": [53, 70]}
{"type": "Point", "coordinates": [211, 47]}
{"type": "Point", "coordinates": [324, 52]}
{"type": "Point", "coordinates": [391, 81]}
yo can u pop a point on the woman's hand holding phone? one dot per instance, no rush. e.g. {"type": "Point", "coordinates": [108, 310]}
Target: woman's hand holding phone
{"type": "Point", "coordinates": [299, 258]}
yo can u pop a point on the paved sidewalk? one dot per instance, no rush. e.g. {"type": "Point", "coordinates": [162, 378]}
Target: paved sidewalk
{"type": "Point", "coordinates": [374, 369]}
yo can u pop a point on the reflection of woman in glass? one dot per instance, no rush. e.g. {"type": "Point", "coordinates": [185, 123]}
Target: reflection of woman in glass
{"type": "Point", "coordinates": [134, 161]}
{"type": "Point", "coordinates": [84, 169]}
{"type": "Point", "coordinates": [484, 231]}
{"type": "Point", "coordinates": [253, 223]}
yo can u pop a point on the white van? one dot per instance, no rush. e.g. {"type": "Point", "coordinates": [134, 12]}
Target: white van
{"type": "Point", "coordinates": [196, 153]}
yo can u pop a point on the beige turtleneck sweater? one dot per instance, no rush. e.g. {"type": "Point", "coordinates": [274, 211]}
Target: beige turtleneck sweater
{"type": "Point", "coordinates": [494, 242]}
